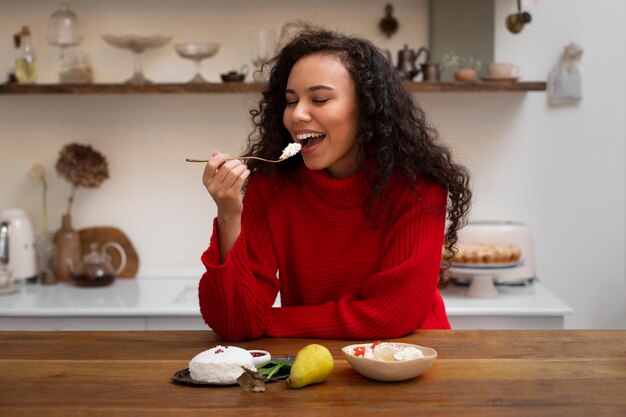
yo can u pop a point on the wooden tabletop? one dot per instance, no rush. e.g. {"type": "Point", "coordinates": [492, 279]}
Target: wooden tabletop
{"type": "Point", "coordinates": [477, 373]}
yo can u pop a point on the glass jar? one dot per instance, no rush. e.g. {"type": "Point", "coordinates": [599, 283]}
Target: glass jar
{"type": "Point", "coordinates": [63, 27]}
{"type": "Point", "coordinates": [75, 69]}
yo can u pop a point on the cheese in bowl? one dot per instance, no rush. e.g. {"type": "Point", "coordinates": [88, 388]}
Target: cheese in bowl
{"type": "Point", "coordinates": [389, 361]}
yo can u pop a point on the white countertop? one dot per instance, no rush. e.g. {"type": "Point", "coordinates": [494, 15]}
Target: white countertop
{"type": "Point", "coordinates": [178, 297]}
{"type": "Point", "coordinates": [124, 298]}
{"type": "Point", "coordinates": [524, 300]}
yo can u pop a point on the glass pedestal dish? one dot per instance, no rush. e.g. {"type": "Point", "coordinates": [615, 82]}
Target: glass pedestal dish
{"type": "Point", "coordinates": [137, 45]}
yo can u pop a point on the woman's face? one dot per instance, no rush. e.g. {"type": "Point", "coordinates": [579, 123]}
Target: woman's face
{"type": "Point", "coordinates": [322, 115]}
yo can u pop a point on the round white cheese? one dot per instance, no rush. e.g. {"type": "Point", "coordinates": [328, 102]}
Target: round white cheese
{"type": "Point", "coordinates": [220, 365]}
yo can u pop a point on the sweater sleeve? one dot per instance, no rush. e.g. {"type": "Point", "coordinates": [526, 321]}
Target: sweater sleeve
{"type": "Point", "coordinates": [236, 296]}
{"type": "Point", "coordinates": [394, 301]}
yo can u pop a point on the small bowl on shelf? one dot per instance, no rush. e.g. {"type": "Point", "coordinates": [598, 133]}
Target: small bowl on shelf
{"type": "Point", "coordinates": [234, 76]}
{"type": "Point", "coordinates": [386, 368]}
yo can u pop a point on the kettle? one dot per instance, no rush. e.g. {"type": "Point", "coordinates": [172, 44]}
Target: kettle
{"type": "Point", "coordinates": [96, 269]}
{"type": "Point", "coordinates": [407, 65]}
{"type": "Point", "coordinates": [17, 244]}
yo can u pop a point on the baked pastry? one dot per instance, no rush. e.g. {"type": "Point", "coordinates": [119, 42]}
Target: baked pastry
{"type": "Point", "coordinates": [485, 253]}
{"type": "Point", "coordinates": [220, 365]}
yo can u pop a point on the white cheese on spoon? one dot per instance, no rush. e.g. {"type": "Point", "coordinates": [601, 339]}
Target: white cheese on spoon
{"type": "Point", "coordinates": [290, 150]}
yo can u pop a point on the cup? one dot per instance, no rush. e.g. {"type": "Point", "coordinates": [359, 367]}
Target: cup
{"type": "Point", "coordinates": [502, 70]}
{"type": "Point", "coordinates": [5, 278]}
{"type": "Point", "coordinates": [262, 48]}
{"type": "Point", "coordinates": [431, 72]}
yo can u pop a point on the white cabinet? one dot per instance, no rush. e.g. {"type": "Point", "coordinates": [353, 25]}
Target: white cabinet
{"type": "Point", "coordinates": [530, 306]}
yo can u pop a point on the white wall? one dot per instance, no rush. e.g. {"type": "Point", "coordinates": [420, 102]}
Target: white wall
{"type": "Point", "coordinates": [561, 170]}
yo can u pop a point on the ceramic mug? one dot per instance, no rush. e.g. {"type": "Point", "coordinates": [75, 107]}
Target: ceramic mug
{"type": "Point", "coordinates": [502, 70]}
{"type": "Point", "coordinates": [431, 72]}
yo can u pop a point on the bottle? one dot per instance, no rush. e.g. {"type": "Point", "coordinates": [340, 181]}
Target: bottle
{"type": "Point", "coordinates": [45, 253]}
{"type": "Point", "coordinates": [26, 61]}
{"type": "Point", "coordinates": [68, 252]}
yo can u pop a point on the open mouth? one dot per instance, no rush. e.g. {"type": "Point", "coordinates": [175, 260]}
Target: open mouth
{"type": "Point", "coordinates": [309, 139]}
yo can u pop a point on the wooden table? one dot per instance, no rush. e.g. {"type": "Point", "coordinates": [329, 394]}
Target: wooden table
{"type": "Point", "coordinates": [477, 373]}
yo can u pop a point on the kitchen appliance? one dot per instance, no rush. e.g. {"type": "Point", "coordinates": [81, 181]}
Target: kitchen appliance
{"type": "Point", "coordinates": [17, 244]}
{"type": "Point", "coordinates": [482, 279]}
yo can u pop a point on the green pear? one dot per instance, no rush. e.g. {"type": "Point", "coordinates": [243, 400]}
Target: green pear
{"type": "Point", "coordinates": [313, 364]}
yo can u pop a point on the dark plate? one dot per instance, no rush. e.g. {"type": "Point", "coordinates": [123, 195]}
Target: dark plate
{"type": "Point", "coordinates": [183, 376]}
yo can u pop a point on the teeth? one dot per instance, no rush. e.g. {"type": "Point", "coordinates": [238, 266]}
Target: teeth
{"type": "Point", "coordinates": [303, 136]}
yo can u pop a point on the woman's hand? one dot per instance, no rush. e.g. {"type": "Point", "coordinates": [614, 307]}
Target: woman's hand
{"type": "Point", "coordinates": [224, 180]}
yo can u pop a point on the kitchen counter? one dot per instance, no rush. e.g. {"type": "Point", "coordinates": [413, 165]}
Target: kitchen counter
{"type": "Point", "coordinates": [518, 307]}
{"type": "Point", "coordinates": [477, 373]}
{"type": "Point", "coordinates": [172, 303]}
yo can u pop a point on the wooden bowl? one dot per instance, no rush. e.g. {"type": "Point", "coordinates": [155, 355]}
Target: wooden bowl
{"type": "Point", "coordinates": [465, 74]}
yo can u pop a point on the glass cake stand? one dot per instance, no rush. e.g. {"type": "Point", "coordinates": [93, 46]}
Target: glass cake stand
{"type": "Point", "coordinates": [137, 45]}
{"type": "Point", "coordinates": [197, 52]}
{"type": "Point", "coordinates": [481, 277]}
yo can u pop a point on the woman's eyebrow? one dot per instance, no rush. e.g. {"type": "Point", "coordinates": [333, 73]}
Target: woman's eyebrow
{"type": "Point", "coordinates": [310, 89]}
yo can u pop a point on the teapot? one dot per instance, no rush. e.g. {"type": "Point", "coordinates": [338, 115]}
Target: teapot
{"type": "Point", "coordinates": [407, 65]}
{"type": "Point", "coordinates": [96, 269]}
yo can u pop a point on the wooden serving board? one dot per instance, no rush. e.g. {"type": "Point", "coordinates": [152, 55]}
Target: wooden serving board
{"type": "Point", "coordinates": [101, 235]}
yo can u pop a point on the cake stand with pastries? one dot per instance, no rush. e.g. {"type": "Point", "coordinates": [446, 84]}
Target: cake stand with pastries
{"type": "Point", "coordinates": [482, 278]}
{"type": "Point", "coordinates": [492, 253]}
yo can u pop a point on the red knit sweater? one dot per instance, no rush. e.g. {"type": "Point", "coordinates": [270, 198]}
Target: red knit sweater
{"type": "Point", "coordinates": [339, 277]}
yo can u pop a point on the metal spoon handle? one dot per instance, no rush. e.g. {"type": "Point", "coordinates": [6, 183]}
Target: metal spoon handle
{"type": "Point", "coordinates": [238, 158]}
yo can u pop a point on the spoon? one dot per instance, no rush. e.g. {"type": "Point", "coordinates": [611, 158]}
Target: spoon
{"type": "Point", "coordinates": [291, 150]}
{"type": "Point", "coordinates": [241, 158]}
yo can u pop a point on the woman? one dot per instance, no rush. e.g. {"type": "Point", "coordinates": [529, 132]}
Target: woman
{"type": "Point", "coordinates": [350, 231]}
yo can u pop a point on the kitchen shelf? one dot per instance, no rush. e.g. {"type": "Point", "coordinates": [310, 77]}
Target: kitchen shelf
{"type": "Point", "coordinates": [186, 88]}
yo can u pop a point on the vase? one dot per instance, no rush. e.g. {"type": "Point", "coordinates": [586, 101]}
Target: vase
{"type": "Point", "coordinates": [45, 258]}
{"type": "Point", "coordinates": [67, 250]}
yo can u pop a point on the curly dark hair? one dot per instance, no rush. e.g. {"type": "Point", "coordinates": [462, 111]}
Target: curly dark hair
{"type": "Point", "coordinates": [392, 132]}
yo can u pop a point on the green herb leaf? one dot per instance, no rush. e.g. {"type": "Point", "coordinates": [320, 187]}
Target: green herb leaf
{"type": "Point", "coordinates": [275, 368]}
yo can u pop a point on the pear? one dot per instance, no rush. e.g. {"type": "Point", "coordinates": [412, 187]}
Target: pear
{"type": "Point", "coordinates": [313, 364]}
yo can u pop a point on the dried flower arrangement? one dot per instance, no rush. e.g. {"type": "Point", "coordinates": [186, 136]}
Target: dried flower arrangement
{"type": "Point", "coordinates": [453, 61]}
{"type": "Point", "coordinates": [81, 166]}
{"type": "Point", "coordinates": [464, 68]}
